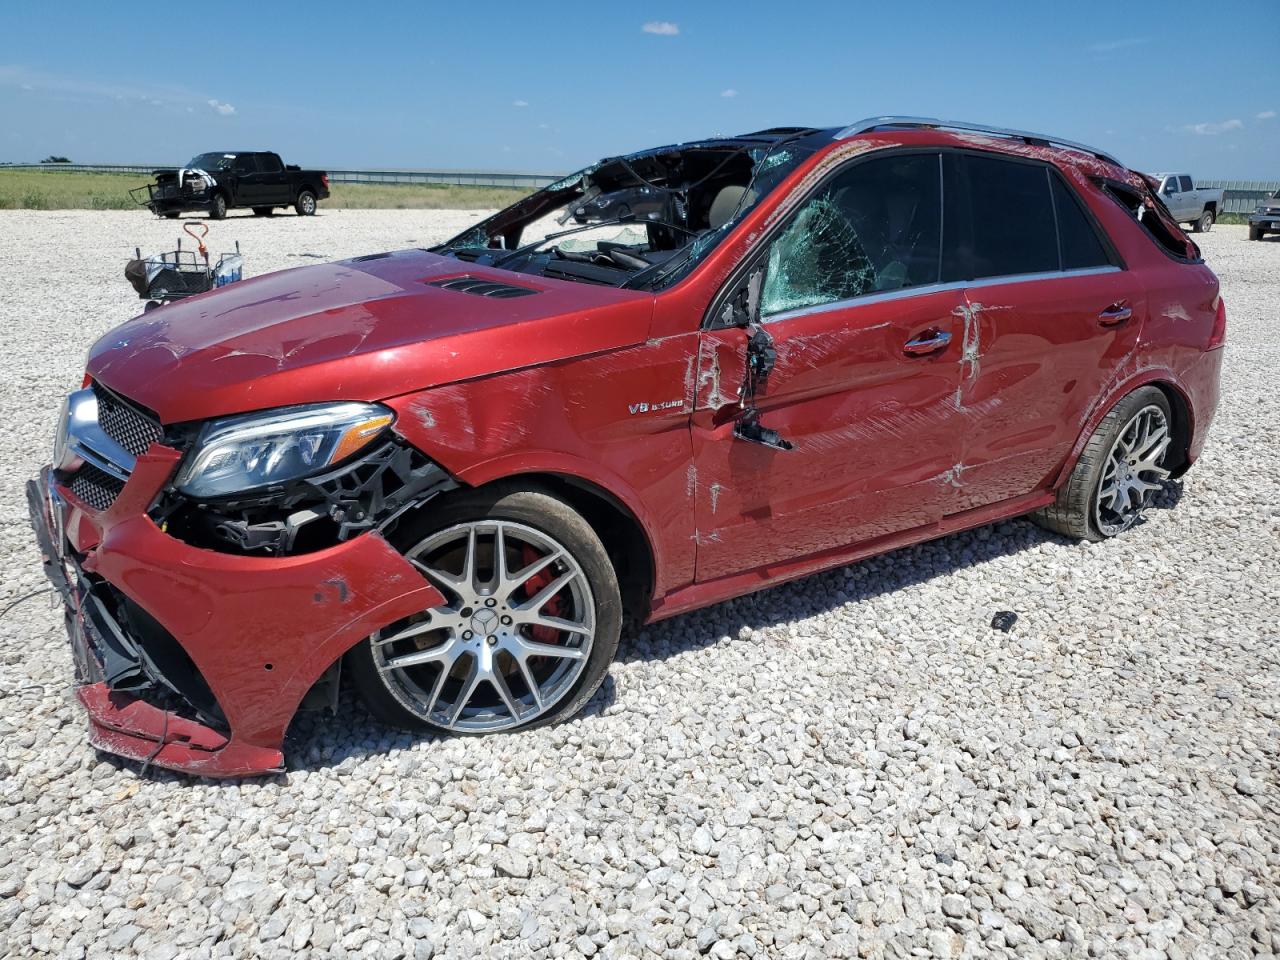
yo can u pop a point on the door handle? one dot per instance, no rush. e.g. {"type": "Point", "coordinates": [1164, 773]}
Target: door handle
{"type": "Point", "coordinates": [1115, 315]}
{"type": "Point", "coordinates": [931, 341]}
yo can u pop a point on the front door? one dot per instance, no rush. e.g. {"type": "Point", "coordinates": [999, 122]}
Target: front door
{"type": "Point", "coordinates": [830, 419]}
{"type": "Point", "coordinates": [248, 180]}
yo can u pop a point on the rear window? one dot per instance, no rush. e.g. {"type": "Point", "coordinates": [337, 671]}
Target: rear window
{"type": "Point", "coordinates": [1012, 217]}
{"type": "Point", "coordinates": [1081, 247]}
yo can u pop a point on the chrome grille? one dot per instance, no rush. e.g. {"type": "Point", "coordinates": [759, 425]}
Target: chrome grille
{"type": "Point", "coordinates": [125, 423]}
{"type": "Point", "coordinates": [96, 488]}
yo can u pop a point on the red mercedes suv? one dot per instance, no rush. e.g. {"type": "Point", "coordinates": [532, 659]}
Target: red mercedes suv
{"type": "Point", "coordinates": [672, 378]}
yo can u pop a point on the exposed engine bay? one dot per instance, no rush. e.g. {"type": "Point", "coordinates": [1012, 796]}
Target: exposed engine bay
{"type": "Point", "coordinates": [637, 221]}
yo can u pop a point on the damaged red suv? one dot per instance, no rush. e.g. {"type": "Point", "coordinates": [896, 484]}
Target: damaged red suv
{"type": "Point", "coordinates": [675, 377]}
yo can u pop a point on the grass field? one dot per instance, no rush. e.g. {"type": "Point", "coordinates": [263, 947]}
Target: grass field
{"type": "Point", "coordinates": [75, 190]}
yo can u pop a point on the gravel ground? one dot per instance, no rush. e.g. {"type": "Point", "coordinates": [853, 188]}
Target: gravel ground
{"type": "Point", "coordinates": [852, 765]}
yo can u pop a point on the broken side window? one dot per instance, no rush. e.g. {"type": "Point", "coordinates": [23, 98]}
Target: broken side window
{"type": "Point", "coordinates": [876, 227]}
{"type": "Point", "coordinates": [1153, 217]}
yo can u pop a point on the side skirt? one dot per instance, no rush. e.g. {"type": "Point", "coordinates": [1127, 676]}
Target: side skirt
{"type": "Point", "coordinates": [699, 595]}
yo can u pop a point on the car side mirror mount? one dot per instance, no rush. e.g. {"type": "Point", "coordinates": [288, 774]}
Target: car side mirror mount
{"type": "Point", "coordinates": [742, 307]}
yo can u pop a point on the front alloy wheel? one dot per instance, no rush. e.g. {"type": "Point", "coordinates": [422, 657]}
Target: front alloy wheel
{"type": "Point", "coordinates": [529, 624]}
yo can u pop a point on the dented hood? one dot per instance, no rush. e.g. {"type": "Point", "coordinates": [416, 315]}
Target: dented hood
{"type": "Point", "coordinates": [363, 329]}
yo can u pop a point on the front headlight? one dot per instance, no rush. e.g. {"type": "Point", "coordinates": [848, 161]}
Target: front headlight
{"type": "Point", "coordinates": [1259, 209]}
{"type": "Point", "coordinates": [240, 454]}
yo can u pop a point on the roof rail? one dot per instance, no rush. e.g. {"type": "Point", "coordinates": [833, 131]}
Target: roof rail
{"type": "Point", "coordinates": [876, 123]}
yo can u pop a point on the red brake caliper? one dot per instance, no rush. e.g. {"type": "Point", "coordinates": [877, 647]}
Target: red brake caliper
{"type": "Point", "coordinates": [535, 583]}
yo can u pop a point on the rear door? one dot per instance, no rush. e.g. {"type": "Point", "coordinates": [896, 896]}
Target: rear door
{"type": "Point", "coordinates": [1050, 317]}
{"type": "Point", "coordinates": [833, 421]}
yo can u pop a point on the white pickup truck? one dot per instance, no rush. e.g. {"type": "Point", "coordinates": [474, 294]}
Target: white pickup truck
{"type": "Point", "coordinates": [1187, 204]}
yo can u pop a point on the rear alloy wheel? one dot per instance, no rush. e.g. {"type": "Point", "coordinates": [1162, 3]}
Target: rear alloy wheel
{"type": "Point", "coordinates": [1205, 223]}
{"type": "Point", "coordinates": [528, 628]}
{"type": "Point", "coordinates": [218, 207]}
{"type": "Point", "coordinates": [1121, 467]}
{"type": "Point", "coordinates": [1133, 470]}
{"type": "Point", "coordinates": [306, 205]}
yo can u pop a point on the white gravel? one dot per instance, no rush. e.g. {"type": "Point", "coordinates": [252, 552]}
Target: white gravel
{"type": "Point", "coordinates": [853, 765]}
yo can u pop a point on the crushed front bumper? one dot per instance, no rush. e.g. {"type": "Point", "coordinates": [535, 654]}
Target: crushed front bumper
{"type": "Point", "coordinates": [253, 634]}
{"type": "Point", "coordinates": [169, 198]}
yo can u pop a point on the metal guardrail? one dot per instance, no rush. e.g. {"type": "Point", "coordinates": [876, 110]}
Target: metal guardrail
{"type": "Point", "coordinates": [460, 178]}
{"type": "Point", "coordinates": [1239, 196]}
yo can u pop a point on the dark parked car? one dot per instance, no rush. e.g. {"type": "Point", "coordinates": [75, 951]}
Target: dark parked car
{"type": "Point", "coordinates": [1265, 217]}
{"type": "Point", "coordinates": [218, 182]}
{"type": "Point", "coordinates": [759, 357]}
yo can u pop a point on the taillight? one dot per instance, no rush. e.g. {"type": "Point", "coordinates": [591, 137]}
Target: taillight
{"type": "Point", "coordinates": [324, 178]}
{"type": "Point", "coordinates": [1219, 335]}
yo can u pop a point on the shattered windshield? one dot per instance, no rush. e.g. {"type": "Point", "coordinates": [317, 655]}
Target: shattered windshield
{"type": "Point", "coordinates": [640, 221]}
{"type": "Point", "coordinates": [211, 161]}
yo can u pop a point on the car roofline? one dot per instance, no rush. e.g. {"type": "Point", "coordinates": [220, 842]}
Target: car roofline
{"type": "Point", "coordinates": [872, 124]}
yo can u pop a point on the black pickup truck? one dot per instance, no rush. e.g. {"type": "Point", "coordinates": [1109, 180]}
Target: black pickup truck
{"type": "Point", "coordinates": [217, 182]}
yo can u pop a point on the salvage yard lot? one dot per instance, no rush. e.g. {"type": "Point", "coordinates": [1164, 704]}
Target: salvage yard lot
{"type": "Point", "coordinates": [852, 765]}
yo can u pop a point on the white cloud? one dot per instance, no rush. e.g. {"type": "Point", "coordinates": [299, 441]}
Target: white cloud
{"type": "Point", "coordinates": [225, 109]}
{"type": "Point", "coordinates": [1267, 115]}
{"type": "Point", "coordinates": [519, 103]}
{"type": "Point", "coordinates": [663, 28]}
{"type": "Point", "coordinates": [730, 93]}
{"type": "Point", "coordinates": [65, 85]}
{"type": "Point", "coordinates": [1211, 129]}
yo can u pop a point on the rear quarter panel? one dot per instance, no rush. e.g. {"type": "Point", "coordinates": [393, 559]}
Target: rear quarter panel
{"type": "Point", "coordinates": [1181, 303]}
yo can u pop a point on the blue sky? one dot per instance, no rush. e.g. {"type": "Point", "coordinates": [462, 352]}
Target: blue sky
{"type": "Point", "coordinates": [550, 87]}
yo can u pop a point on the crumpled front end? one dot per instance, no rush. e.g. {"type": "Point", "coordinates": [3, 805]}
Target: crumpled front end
{"type": "Point", "coordinates": [175, 192]}
{"type": "Point", "coordinates": [187, 657]}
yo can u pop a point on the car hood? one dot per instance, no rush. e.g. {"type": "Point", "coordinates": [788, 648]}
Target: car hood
{"type": "Point", "coordinates": [362, 329]}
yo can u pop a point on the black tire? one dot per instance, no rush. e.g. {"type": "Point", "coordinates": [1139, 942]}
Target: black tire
{"type": "Point", "coordinates": [548, 515]}
{"type": "Point", "coordinates": [306, 204]}
{"type": "Point", "coordinates": [1205, 223]}
{"type": "Point", "coordinates": [1073, 514]}
{"type": "Point", "coordinates": [1256, 233]}
{"type": "Point", "coordinates": [172, 215]}
{"type": "Point", "coordinates": [218, 207]}
{"type": "Point", "coordinates": [263, 211]}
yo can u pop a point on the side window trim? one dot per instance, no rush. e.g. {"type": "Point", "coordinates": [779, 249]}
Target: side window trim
{"type": "Point", "coordinates": [761, 249]}
{"type": "Point", "coordinates": [923, 289]}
